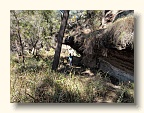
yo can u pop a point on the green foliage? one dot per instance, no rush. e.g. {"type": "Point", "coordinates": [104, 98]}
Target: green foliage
{"type": "Point", "coordinates": [96, 19]}
{"type": "Point", "coordinates": [34, 25]}
{"type": "Point", "coordinates": [126, 94]}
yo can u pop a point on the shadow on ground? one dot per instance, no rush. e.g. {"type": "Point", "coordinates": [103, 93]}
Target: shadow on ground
{"type": "Point", "coordinates": [52, 92]}
{"type": "Point", "coordinates": [80, 70]}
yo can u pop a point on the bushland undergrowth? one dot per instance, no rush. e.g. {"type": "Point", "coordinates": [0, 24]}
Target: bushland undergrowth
{"type": "Point", "coordinates": [37, 83]}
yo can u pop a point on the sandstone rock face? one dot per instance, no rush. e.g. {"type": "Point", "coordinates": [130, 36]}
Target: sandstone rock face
{"type": "Point", "coordinates": [111, 16]}
{"type": "Point", "coordinates": [119, 64]}
{"type": "Point", "coordinates": [110, 49]}
{"type": "Point", "coordinates": [115, 72]}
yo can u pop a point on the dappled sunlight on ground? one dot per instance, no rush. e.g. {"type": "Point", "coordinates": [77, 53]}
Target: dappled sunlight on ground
{"type": "Point", "coordinates": [36, 82]}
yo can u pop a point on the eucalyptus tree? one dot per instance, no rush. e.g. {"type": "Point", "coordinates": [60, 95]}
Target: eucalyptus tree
{"type": "Point", "coordinates": [64, 19]}
{"type": "Point", "coordinates": [35, 28]}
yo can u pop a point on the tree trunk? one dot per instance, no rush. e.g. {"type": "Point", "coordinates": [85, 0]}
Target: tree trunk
{"type": "Point", "coordinates": [60, 39]}
{"type": "Point", "coordinates": [33, 52]}
{"type": "Point", "coordinates": [18, 35]}
{"type": "Point", "coordinates": [103, 18]}
{"type": "Point", "coordinates": [18, 50]}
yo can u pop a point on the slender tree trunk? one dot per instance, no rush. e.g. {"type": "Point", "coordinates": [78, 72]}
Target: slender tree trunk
{"type": "Point", "coordinates": [103, 18]}
{"type": "Point", "coordinates": [18, 50]}
{"type": "Point", "coordinates": [18, 35]}
{"type": "Point", "coordinates": [34, 47]}
{"type": "Point", "coordinates": [60, 39]}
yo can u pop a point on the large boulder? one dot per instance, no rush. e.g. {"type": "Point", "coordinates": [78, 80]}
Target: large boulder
{"type": "Point", "coordinates": [112, 46]}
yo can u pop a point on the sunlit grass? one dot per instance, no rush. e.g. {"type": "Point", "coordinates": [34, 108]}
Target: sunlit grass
{"type": "Point", "coordinates": [36, 82]}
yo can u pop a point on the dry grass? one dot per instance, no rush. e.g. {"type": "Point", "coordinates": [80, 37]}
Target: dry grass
{"type": "Point", "coordinates": [37, 83]}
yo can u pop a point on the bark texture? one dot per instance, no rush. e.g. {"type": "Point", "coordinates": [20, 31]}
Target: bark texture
{"type": "Point", "coordinates": [60, 39]}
